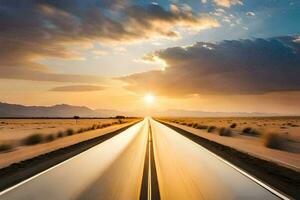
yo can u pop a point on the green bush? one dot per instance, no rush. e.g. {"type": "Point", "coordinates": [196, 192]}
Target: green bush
{"type": "Point", "coordinates": [5, 147]}
{"type": "Point", "coordinates": [33, 139]}
{"type": "Point", "coordinates": [224, 132]}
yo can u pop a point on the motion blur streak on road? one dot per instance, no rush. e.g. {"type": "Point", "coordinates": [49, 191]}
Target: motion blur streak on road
{"type": "Point", "coordinates": [186, 170]}
{"type": "Point", "coordinates": [110, 170]}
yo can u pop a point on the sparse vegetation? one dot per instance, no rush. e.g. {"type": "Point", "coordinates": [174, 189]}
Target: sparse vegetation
{"type": "Point", "coordinates": [70, 131]}
{"type": "Point", "coordinates": [50, 138]}
{"type": "Point", "coordinates": [194, 125]}
{"type": "Point", "coordinates": [5, 147]}
{"type": "Point", "coordinates": [250, 131]}
{"type": "Point", "coordinates": [33, 139]}
{"type": "Point", "coordinates": [202, 127]}
{"type": "Point", "coordinates": [233, 125]}
{"type": "Point", "coordinates": [274, 141]}
{"type": "Point", "coordinates": [225, 132]}
{"type": "Point", "coordinates": [81, 130]}
{"type": "Point", "coordinates": [60, 134]}
{"type": "Point", "coordinates": [190, 124]}
{"type": "Point", "coordinates": [211, 129]}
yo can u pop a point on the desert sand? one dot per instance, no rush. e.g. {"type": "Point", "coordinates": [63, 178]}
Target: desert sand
{"type": "Point", "coordinates": [287, 127]}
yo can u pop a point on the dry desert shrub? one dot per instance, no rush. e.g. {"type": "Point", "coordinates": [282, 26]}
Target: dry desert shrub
{"type": "Point", "coordinates": [211, 129]}
{"type": "Point", "coordinates": [225, 132]}
{"type": "Point", "coordinates": [70, 131]}
{"type": "Point", "coordinates": [5, 147]}
{"type": "Point", "coordinates": [202, 127]}
{"type": "Point", "coordinates": [33, 139]}
{"type": "Point", "coordinates": [233, 125]}
{"type": "Point", "coordinates": [50, 138]}
{"type": "Point", "coordinates": [274, 141]}
{"type": "Point", "coordinates": [250, 131]}
{"type": "Point", "coordinates": [60, 134]}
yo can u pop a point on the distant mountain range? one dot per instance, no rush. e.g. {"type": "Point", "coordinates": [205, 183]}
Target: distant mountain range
{"type": "Point", "coordinates": [64, 110]}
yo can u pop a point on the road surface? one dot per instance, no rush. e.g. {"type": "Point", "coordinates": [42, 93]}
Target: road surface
{"type": "Point", "coordinates": [110, 170]}
{"type": "Point", "coordinates": [114, 170]}
{"type": "Point", "coordinates": [186, 170]}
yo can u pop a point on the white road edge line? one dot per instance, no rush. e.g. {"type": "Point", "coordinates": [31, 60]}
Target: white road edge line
{"type": "Point", "coordinates": [43, 172]}
{"type": "Point", "coordinates": [267, 187]}
{"type": "Point", "coordinates": [37, 175]}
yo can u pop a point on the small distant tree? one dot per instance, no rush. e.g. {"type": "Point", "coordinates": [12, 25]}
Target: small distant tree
{"type": "Point", "coordinates": [76, 117]}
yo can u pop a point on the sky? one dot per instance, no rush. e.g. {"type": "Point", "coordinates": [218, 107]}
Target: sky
{"type": "Point", "coordinates": [209, 55]}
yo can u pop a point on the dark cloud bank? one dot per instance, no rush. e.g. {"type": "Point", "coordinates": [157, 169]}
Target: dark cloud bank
{"type": "Point", "coordinates": [229, 67]}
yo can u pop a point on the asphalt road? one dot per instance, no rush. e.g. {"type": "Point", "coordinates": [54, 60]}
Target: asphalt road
{"type": "Point", "coordinates": [114, 169]}
{"type": "Point", "coordinates": [110, 170]}
{"type": "Point", "coordinates": [186, 170]}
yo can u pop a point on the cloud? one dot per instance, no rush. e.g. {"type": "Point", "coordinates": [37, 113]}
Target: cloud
{"type": "Point", "coordinates": [250, 14]}
{"type": "Point", "coordinates": [228, 3]}
{"type": "Point", "coordinates": [37, 75]}
{"type": "Point", "coordinates": [231, 67]}
{"type": "Point", "coordinates": [34, 30]}
{"type": "Point", "coordinates": [77, 88]}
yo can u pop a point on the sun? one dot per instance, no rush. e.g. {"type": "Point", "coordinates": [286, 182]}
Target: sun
{"type": "Point", "coordinates": [149, 98]}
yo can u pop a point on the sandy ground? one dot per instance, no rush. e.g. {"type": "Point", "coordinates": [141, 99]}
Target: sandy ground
{"type": "Point", "coordinates": [282, 125]}
{"type": "Point", "coordinates": [26, 152]}
{"type": "Point", "coordinates": [12, 130]}
{"type": "Point", "coordinates": [250, 144]}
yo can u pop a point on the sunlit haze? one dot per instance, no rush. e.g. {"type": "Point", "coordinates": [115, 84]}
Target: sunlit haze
{"type": "Point", "coordinates": [149, 98]}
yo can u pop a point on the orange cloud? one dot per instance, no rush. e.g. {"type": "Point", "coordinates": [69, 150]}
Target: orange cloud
{"type": "Point", "coordinates": [227, 3]}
